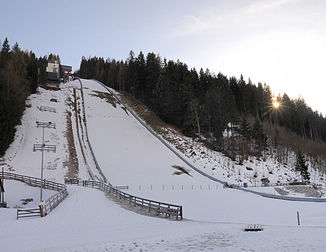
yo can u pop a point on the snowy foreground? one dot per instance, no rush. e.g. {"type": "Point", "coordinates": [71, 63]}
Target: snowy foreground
{"type": "Point", "coordinates": [88, 220]}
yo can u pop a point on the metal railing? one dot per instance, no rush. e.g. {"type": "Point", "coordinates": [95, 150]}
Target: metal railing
{"type": "Point", "coordinates": [152, 206]}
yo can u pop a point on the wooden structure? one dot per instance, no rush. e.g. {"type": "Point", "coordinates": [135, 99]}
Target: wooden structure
{"type": "Point", "coordinates": [49, 204]}
{"type": "Point", "coordinates": [151, 206]}
{"type": "Point", "coordinates": [23, 213]}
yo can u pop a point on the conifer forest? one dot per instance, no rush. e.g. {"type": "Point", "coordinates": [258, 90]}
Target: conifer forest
{"type": "Point", "coordinates": [207, 104]}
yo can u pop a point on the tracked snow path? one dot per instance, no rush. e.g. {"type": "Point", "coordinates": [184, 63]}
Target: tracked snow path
{"type": "Point", "coordinates": [85, 147]}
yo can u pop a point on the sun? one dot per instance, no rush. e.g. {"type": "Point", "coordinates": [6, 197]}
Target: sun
{"type": "Point", "coordinates": [276, 104]}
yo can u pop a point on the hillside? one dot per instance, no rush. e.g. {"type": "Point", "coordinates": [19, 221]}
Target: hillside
{"type": "Point", "coordinates": [262, 135]}
{"type": "Point", "coordinates": [268, 170]}
{"type": "Point", "coordinates": [87, 220]}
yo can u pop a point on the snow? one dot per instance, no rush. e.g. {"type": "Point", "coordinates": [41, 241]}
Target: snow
{"type": "Point", "coordinates": [91, 222]}
{"type": "Point", "coordinates": [20, 157]}
{"type": "Point", "coordinates": [137, 161]}
{"type": "Point", "coordinates": [88, 219]}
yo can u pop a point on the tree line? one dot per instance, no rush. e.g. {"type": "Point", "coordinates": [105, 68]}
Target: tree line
{"type": "Point", "coordinates": [18, 79]}
{"type": "Point", "coordinates": [202, 103]}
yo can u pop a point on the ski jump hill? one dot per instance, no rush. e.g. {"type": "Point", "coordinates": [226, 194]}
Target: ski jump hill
{"type": "Point", "coordinates": [101, 143]}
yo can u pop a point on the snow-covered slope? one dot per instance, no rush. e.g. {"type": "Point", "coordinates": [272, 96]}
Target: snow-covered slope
{"type": "Point", "coordinates": [129, 155]}
{"type": "Point", "coordinates": [20, 157]}
{"type": "Point", "coordinates": [72, 157]}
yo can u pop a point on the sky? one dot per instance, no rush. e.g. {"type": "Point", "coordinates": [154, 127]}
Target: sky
{"type": "Point", "coordinates": [278, 42]}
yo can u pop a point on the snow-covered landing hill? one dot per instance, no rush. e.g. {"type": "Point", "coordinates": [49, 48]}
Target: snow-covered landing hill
{"type": "Point", "coordinates": [276, 166]}
{"type": "Point", "coordinates": [129, 155]}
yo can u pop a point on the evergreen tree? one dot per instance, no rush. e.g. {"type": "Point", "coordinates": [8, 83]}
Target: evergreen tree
{"type": "Point", "coordinates": [153, 70]}
{"type": "Point", "coordinates": [18, 78]}
{"type": "Point", "coordinates": [141, 76]}
{"type": "Point", "coordinates": [257, 133]}
{"type": "Point", "coordinates": [203, 103]}
{"type": "Point", "coordinates": [245, 129]}
{"type": "Point", "coordinates": [302, 167]}
{"type": "Point", "coordinates": [5, 47]}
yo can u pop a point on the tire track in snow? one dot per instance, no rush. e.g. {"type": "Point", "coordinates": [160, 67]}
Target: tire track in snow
{"type": "Point", "coordinates": [78, 135]}
{"type": "Point", "coordinates": [103, 179]}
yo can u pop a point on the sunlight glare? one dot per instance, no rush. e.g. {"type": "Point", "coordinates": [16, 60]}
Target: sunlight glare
{"type": "Point", "coordinates": [276, 104]}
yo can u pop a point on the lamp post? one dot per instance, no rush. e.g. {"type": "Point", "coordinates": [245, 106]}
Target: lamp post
{"type": "Point", "coordinates": [43, 147]}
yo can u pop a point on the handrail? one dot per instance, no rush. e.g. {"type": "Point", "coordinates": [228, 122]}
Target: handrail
{"type": "Point", "coordinates": [159, 208]}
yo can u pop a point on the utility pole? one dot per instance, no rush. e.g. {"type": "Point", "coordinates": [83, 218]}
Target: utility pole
{"type": "Point", "coordinates": [38, 79]}
{"type": "Point", "coordinates": [43, 147]}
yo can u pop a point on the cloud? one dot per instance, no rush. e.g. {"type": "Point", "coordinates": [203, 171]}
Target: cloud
{"type": "Point", "coordinates": [220, 16]}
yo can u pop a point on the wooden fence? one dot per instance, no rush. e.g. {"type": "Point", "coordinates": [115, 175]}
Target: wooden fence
{"type": "Point", "coordinates": [22, 213]}
{"type": "Point", "coordinates": [50, 203]}
{"type": "Point", "coordinates": [156, 207]}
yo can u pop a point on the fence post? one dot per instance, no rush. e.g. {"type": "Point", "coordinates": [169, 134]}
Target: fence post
{"type": "Point", "coordinates": [298, 217]}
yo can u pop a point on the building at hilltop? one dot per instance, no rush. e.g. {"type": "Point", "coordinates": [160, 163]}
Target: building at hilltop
{"type": "Point", "coordinates": [56, 73]}
{"type": "Point", "coordinates": [52, 75]}
{"type": "Point", "coordinates": [66, 72]}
